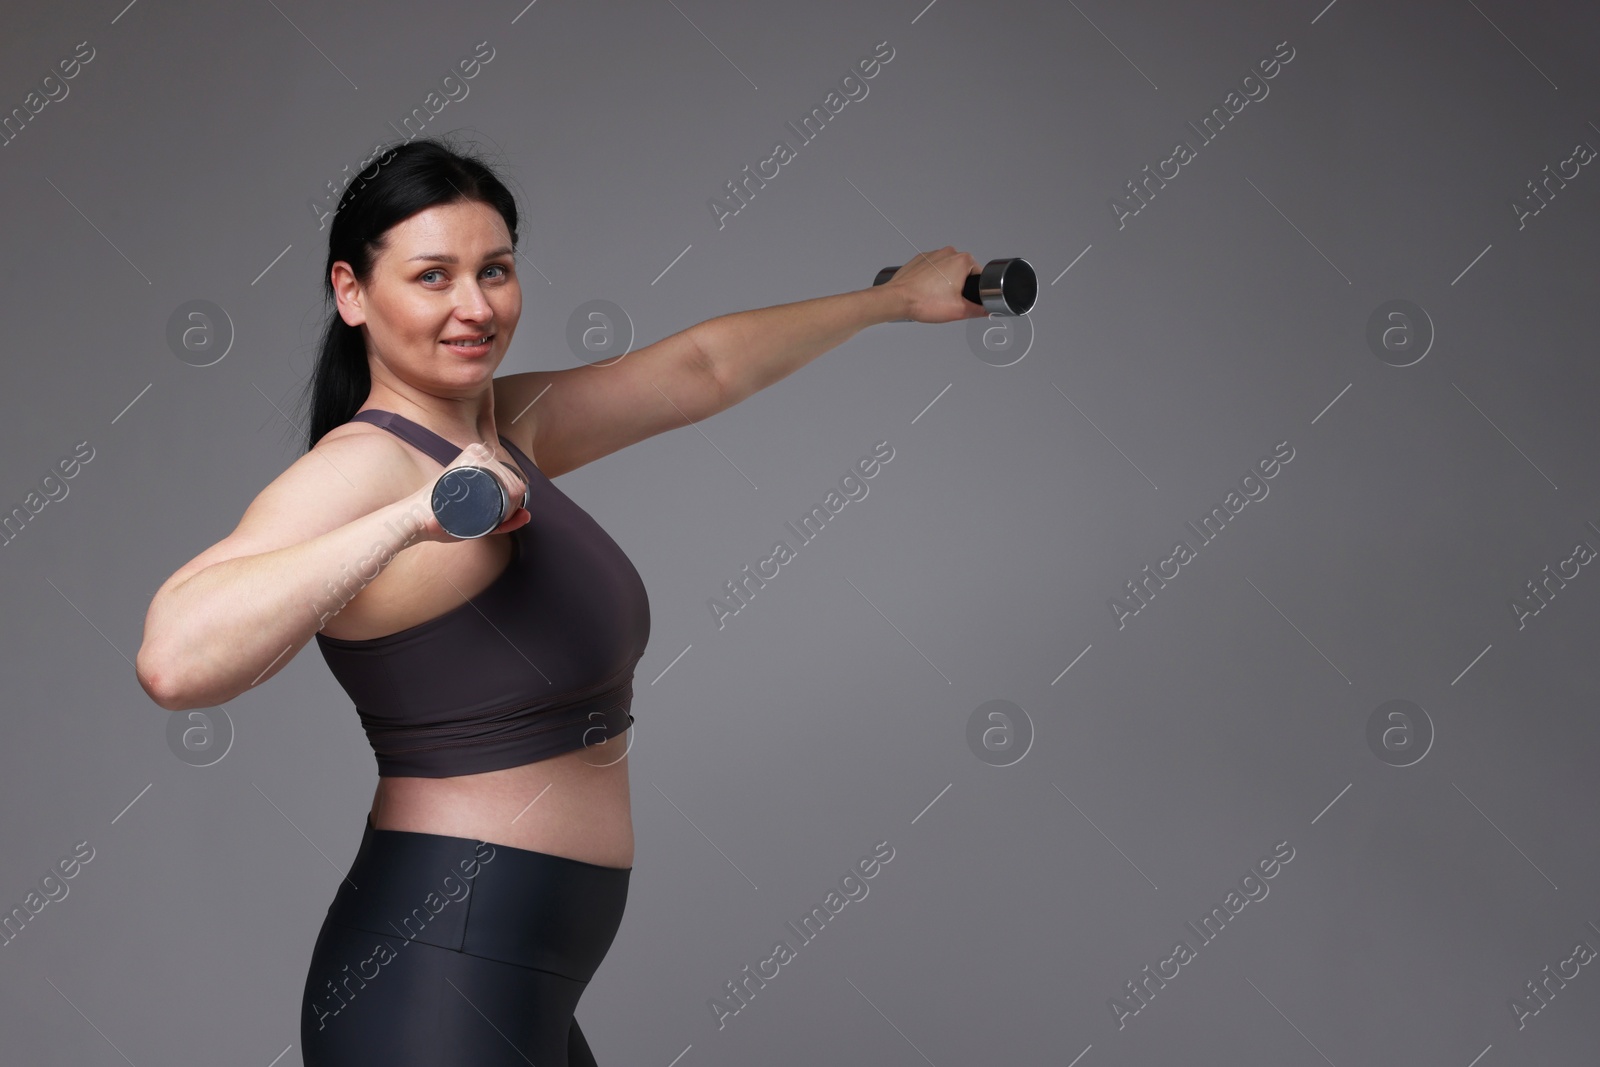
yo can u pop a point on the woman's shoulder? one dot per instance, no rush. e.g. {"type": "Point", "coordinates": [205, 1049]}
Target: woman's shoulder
{"type": "Point", "coordinates": [353, 469]}
{"type": "Point", "coordinates": [362, 444]}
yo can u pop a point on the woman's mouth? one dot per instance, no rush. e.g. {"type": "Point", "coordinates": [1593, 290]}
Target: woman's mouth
{"type": "Point", "coordinates": [471, 346]}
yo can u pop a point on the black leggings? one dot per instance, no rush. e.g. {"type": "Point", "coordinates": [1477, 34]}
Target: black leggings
{"type": "Point", "coordinates": [444, 950]}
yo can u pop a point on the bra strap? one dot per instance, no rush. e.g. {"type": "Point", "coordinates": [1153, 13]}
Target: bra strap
{"type": "Point", "coordinates": [412, 433]}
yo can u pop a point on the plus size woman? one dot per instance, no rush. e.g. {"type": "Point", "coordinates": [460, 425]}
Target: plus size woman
{"type": "Point", "coordinates": [493, 676]}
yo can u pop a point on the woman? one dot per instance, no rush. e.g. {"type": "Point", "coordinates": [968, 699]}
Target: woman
{"type": "Point", "coordinates": [493, 676]}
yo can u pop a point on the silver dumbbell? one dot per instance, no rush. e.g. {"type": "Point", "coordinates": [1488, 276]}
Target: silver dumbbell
{"type": "Point", "coordinates": [470, 502]}
{"type": "Point", "coordinates": [1003, 286]}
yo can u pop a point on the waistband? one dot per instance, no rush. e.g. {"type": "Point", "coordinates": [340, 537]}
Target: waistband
{"type": "Point", "coordinates": [513, 905]}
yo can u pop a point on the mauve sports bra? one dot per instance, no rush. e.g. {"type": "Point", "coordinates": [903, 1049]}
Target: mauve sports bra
{"type": "Point", "coordinates": [539, 663]}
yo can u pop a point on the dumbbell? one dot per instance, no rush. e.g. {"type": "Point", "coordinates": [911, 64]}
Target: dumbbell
{"type": "Point", "coordinates": [470, 501]}
{"type": "Point", "coordinates": [1003, 286]}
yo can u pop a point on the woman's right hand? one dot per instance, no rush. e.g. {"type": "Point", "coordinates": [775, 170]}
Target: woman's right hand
{"type": "Point", "coordinates": [419, 506]}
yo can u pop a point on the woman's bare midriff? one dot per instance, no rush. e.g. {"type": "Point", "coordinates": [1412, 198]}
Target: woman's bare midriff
{"type": "Point", "coordinates": [574, 805]}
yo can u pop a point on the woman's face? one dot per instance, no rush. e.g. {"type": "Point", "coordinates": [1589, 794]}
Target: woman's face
{"type": "Point", "coordinates": [447, 273]}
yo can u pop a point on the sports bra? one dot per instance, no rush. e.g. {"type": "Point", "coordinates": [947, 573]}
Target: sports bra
{"type": "Point", "coordinates": [539, 663]}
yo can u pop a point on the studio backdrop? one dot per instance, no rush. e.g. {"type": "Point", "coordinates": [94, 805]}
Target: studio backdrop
{"type": "Point", "coordinates": [1204, 673]}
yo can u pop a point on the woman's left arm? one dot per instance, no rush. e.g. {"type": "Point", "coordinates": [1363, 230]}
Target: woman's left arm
{"type": "Point", "coordinates": [749, 350]}
{"type": "Point", "coordinates": [566, 418]}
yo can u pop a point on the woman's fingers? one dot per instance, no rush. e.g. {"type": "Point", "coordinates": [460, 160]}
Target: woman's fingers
{"type": "Point", "coordinates": [478, 454]}
{"type": "Point", "coordinates": [935, 280]}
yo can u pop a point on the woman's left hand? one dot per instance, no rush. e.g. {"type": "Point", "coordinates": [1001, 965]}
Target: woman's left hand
{"type": "Point", "coordinates": [932, 281]}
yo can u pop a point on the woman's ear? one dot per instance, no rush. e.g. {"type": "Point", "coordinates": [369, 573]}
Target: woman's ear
{"type": "Point", "coordinates": [347, 294]}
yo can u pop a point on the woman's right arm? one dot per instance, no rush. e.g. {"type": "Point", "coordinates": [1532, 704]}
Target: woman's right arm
{"type": "Point", "coordinates": [239, 612]}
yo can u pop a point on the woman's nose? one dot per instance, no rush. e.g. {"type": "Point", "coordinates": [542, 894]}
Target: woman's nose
{"type": "Point", "coordinates": [472, 303]}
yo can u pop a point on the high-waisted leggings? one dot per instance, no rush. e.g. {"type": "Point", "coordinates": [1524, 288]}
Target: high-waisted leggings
{"type": "Point", "coordinates": [443, 950]}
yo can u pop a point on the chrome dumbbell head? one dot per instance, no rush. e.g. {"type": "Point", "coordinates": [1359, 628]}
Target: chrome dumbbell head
{"type": "Point", "coordinates": [470, 502]}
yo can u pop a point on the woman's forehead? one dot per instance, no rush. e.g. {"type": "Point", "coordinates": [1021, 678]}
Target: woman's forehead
{"type": "Point", "coordinates": [462, 224]}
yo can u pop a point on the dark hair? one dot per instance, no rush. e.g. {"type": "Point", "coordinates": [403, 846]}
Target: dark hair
{"type": "Point", "coordinates": [400, 182]}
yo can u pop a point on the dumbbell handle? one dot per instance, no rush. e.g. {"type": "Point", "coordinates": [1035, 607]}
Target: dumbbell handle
{"type": "Point", "coordinates": [1002, 287]}
{"type": "Point", "coordinates": [470, 502]}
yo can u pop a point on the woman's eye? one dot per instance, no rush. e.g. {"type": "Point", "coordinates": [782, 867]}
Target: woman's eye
{"type": "Point", "coordinates": [504, 273]}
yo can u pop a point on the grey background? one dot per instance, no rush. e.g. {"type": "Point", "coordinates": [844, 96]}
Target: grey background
{"type": "Point", "coordinates": [832, 712]}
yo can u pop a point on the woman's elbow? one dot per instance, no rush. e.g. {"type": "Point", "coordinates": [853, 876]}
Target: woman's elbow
{"type": "Point", "coordinates": [156, 681]}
